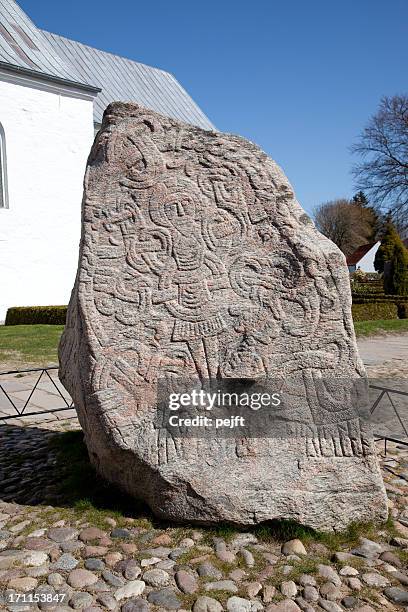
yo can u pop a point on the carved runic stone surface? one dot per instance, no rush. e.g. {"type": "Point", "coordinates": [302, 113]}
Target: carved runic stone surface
{"type": "Point", "coordinates": [196, 261]}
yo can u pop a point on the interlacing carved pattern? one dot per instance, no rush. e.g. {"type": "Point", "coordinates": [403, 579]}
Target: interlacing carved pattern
{"type": "Point", "coordinates": [198, 262]}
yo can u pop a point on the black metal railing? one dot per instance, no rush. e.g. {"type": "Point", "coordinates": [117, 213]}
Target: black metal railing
{"type": "Point", "coordinates": [386, 392]}
{"type": "Point", "coordinates": [24, 410]}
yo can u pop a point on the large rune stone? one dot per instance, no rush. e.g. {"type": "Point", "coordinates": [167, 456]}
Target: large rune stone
{"type": "Point", "coordinates": [197, 261]}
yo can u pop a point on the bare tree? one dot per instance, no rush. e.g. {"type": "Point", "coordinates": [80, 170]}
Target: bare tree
{"type": "Point", "coordinates": [383, 148]}
{"type": "Point", "coordinates": [348, 225]}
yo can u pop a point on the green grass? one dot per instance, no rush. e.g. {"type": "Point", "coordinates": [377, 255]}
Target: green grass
{"type": "Point", "coordinates": [221, 596]}
{"type": "Point", "coordinates": [369, 328]}
{"type": "Point", "coordinates": [403, 555]}
{"type": "Point", "coordinates": [23, 344]}
{"type": "Point", "coordinates": [283, 530]}
{"type": "Point", "coordinates": [304, 566]}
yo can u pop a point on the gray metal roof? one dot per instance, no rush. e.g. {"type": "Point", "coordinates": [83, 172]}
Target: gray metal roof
{"type": "Point", "coordinates": [24, 48]}
{"type": "Point", "coordinates": [127, 81]}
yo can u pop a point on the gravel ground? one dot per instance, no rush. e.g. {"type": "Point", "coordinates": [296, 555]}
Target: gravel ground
{"type": "Point", "coordinates": [385, 356]}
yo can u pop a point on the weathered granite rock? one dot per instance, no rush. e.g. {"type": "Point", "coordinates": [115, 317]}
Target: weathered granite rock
{"type": "Point", "coordinates": [197, 261]}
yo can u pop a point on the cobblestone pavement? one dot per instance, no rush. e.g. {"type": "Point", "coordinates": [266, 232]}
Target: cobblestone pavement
{"type": "Point", "coordinates": [59, 553]}
{"type": "Point", "coordinates": [92, 559]}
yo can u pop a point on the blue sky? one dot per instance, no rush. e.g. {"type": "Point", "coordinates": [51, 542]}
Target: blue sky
{"type": "Point", "coordinates": [300, 78]}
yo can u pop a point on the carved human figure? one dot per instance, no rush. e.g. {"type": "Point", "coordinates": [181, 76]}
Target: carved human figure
{"type": "Point", "coordinates": [189, 274]}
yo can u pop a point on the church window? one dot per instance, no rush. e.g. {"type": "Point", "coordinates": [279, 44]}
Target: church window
{"type": "Point", "coordinates": [3, 170]}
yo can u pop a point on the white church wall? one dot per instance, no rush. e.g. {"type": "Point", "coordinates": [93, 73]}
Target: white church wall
{"type": "Point", "coordinates": [48, 135]}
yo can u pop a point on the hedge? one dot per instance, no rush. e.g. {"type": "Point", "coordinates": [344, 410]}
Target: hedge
{"type": "Point", "coordinates": [359, 298]}
{"type": "Point", "coordinates": [371, 311]}
{"type": "Point", "coordinates": [403, 310]}
{"type": "Point", "coordinates": [365, 277]}
{"type": "Point", "coordinates": [363, 309]}
{"type": "Point", "coordinates": [372, 288]}
{"type": "Point", "coordinates": [33, 315]}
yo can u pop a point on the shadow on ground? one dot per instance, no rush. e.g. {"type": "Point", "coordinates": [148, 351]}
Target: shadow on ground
{"type": "Point", "coordinates": [44, 467]}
